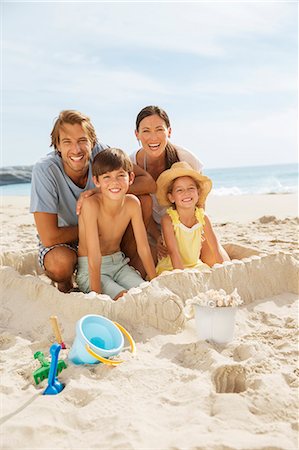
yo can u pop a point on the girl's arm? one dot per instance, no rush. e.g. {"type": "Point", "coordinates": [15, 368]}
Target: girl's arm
{"type": "Point", "coordinates": [92, 243]}
{"type": "Point", "coordinates": [171, 243]}
{"type": "Point", "coordinates": [140, 235]}
{"type": "Point", "coordinates": [212, 252]}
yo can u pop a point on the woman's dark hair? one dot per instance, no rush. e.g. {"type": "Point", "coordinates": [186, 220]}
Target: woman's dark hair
{"type": "Point", "coordinates": [171, 155]}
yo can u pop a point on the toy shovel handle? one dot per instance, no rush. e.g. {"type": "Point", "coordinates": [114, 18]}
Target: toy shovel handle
{"type": "Point", "coordinates": [113, 362]}
{"type": "Point", "coordinates": [55, 327]}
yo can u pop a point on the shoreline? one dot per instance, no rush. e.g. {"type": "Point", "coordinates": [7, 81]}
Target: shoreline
{"type": "Point", "coordinates": [226, 208]}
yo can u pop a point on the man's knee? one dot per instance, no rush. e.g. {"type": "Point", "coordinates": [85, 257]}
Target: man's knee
{"type": "Point", "coordinates": [60, 263]}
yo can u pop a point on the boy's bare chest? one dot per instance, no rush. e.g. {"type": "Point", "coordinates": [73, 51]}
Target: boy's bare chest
{"type": "Point", "coordinates": [111, 230]}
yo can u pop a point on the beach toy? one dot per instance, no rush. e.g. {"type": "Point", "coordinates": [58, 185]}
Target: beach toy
{"type": "Point", "coordinates": [42, 372]}
{"type": "Point", "coordinates": [56, 330]}
{"type": "Point", "coordinates": [54, 386]}
{"type": "Point", "coordinates": [215, 324]}
{"type": "Point", "coordinates": [98, 339]}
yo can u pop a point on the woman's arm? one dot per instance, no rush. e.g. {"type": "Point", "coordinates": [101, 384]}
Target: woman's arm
{"type": "Point", "coordinates": [154, 231]}
{"type": "Point", "coordinates": [143, 182]}
{"type": "Point", "coordinates": [171, 243]}
{"type": "Point", "coordinates": [140, 235]}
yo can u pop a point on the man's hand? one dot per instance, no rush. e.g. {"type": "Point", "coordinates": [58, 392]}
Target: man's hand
{"type": "Point", "coordinates": [84, 195]}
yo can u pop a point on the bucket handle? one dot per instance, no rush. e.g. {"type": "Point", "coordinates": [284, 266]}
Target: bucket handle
{"type": "Point", "coordinates": [113, 362]}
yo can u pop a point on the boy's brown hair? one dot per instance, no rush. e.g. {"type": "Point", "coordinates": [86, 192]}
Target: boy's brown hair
{"type": "Point", "coordinates": [111, 159]}
{"type": "Point", "coordinates": [72, 117]}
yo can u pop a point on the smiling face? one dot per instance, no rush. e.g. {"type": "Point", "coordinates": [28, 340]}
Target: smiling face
{"type": "Point", "coordinates": [153, 134]}
{"type": "Point", "coordinates": [115, 184]}
{"type": "Point", "coordinates": [184, 193]}
{"type": "Point", "coordinates": [75, 149]}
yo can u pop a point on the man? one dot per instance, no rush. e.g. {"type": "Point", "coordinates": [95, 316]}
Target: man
{"type": "Point", "coordinates": [58, 180]}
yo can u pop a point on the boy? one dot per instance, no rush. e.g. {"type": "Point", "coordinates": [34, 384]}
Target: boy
{"type": "Point", "coordinates": [102, 267]}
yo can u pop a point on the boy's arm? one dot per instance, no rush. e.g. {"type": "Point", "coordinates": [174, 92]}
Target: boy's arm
{"type": "Point", "coordinates": [211, 245]}
{"type": "Point", "coordinates": [143, 182]}
{"type": "Point", "coordinates": [50, 233]}
{"type": "Point", "coordinates": [88, 218]}
{"type": "Point", "coordinates": [171, 243]}
{"type": "Point", "coordinates": [140, 235]}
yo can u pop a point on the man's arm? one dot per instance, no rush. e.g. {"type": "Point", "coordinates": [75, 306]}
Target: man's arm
{"type": "Point", "coordinates": [143, 182]}
{"type": "Point", "coordinates": [140, 235]}
{"type": "Point", "coordinates": [50, 233]}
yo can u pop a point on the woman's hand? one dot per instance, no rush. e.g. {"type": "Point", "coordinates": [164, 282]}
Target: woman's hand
{"type": "Point", "coordinates": [161, 248]}
{"type": "Point", "coordinates": [84, 195]}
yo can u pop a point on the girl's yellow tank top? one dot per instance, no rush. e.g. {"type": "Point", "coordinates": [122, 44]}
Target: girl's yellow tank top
{"type": "Point", "coordinates": [189, 241]}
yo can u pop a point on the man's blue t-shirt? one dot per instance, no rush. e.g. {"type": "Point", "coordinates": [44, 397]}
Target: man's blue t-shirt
{"type": "Point", "coordinates": [52, 191]}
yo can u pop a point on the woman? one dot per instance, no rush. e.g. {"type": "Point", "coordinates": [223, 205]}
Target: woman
{"type": "Point", "coordinates": [157, 154]}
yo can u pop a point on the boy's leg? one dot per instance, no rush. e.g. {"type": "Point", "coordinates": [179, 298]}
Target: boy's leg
{"type": "Point", "coordinates": [117, 276]}
{"type": "Point", "coordinates": [111, 287]}
{"type": "Point", "coordinates": [82, 277]}
{"type": "Point", "coordinates": [59, 264]}
{"type": "Point", "coordinates": [128, 277]}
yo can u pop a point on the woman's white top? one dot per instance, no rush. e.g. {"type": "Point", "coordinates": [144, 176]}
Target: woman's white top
{"type": "Point", "coordinates": [184, 155]}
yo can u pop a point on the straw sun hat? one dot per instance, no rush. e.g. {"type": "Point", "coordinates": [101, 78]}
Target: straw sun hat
{"type": "Point", "coordinates": [181, 169]}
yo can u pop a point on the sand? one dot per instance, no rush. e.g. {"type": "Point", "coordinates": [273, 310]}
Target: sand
{"type": "Point", "coordinates": [177, 392]}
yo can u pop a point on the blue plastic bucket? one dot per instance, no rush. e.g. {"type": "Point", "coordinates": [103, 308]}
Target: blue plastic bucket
{"type": "Point", "coordinates": [100, 334]}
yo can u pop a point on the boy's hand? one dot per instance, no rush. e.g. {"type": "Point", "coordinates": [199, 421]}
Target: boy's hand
{"type": "Point", "coordinates": [84, 195]}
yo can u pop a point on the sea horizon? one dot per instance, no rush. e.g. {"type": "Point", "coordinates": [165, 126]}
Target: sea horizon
{"type": "Point", "coordinates": [242, 180]}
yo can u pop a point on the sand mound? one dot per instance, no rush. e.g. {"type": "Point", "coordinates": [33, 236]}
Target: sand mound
{"type": "Point", "coordinates": [158, 303]}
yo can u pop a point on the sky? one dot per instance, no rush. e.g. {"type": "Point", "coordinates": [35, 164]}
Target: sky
{"type": "Point", "coordinates": [225, 72]}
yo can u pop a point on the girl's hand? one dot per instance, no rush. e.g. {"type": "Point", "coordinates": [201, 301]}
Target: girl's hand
{"type": "Point", "coordinates": [161, 248]}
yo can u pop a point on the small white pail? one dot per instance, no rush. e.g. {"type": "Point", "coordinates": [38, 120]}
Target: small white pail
{"type": "Point", "coordinates": [215, 324]}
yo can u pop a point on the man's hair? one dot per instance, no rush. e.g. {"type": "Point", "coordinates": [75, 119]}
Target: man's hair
{"type": "Point", "coordinates": [111, 159]}
{"type": "Point", "coordinates": [171, 155]}
{"type": "Point", "coordinates": [72, 117]}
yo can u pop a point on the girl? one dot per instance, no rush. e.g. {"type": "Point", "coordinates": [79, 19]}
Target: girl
{"type": "Point", "coordinates": [185, 225]}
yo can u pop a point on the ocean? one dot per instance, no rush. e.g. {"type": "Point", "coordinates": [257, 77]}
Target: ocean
{"type": "Point", "coordinates": [270, 179]}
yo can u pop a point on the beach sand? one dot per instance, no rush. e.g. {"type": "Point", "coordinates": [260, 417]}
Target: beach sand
{"type": "Point", "coordinates": [177, 392]}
